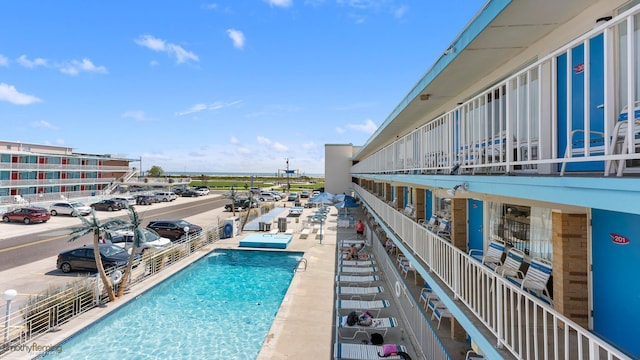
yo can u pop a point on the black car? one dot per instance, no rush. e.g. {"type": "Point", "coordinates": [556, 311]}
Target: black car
{"type": "Point", "coordinates": [83, 259]}
{"type": "Point", "coordinates": [174, 229]}
{"type": "Point", "coordinates": [190, 193]}
{"type": "Point", "coordinates": [106, 205]}
{"type": "Point", "coordinates": [242, 203]}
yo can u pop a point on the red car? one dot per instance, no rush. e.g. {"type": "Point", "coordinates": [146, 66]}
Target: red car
{"type": "Point", "coordinates": [27, 215]}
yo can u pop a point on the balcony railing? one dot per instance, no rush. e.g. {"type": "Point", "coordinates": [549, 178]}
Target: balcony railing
{"type": "Point", "coordinates": [54, 182]}
{"type": "Point", "coordinates": [526, 326]}
{"type": "Point", "coordinates": [61, 167]}
{"type": "Point", "coordinates": [524, 124]}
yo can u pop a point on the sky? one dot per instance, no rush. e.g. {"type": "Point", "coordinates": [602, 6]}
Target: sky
{"type": "Point", "coordinates": [222, 86]}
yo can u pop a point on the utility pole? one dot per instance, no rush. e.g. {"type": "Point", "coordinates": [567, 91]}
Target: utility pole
{"type": "Point", "coordinates": [288, 185]}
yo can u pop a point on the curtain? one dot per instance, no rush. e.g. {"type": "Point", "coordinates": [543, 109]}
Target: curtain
{"type": "Point", "coordinates": [495, 220]}
{"type": "Point", "coordinates": [541, 243]}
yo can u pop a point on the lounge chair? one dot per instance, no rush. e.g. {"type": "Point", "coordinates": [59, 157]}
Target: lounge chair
{"type": "Point", "coordinates": [366, 262]}
{"type": "Point", "coordinates": [370, 305]}
{"type": "Point", "coordinates": [361, 351]}
{"type": "Point", "coordinates": [493, 256]}
{"type": "Point", "coordinates": [512, 263]}
{"type": "Point", "coordinates": [358, 291]}
{"type": "Point", "coordinates": [360, 279]}
{"type": "Point", "coordinates": [377, 324]}
{"type": "Point", "coordinates": [357, 269]}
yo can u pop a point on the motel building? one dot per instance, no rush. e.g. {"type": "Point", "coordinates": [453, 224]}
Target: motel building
{"type": "Point", "coordinates": [508, 177]}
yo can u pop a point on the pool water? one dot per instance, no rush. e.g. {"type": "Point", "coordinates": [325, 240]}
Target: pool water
{"type": "Point", "coordinates": [221, 307]}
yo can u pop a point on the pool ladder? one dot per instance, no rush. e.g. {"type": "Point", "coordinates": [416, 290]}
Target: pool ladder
{"type": "Point", "coordinates": [302, 261]}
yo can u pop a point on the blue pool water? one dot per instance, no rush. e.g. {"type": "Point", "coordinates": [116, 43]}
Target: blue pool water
{"type": "Point", "coordinates": [221, 307]}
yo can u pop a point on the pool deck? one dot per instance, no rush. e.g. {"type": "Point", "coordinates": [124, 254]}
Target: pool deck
{"type": "Point", "coordinates": [304, 326]}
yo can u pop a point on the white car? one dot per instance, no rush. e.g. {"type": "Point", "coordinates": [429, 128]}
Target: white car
{"type": "Point", "coordinates": [202, 191]}
{"type": "Point", "coordinates": [150, 240]}
{"type": "Point", "coordinates": [267, 196]}
{"type": "Point", "coordinates": [69, 208]}
{"type": "Point", "coordinates": [165, 196]}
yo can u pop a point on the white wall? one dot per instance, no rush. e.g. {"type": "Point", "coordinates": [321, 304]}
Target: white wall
{"type": "Point", "coordinates": [337, 164]}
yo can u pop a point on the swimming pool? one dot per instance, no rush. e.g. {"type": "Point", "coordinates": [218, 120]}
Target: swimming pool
{"type": "Point", "coordinates": [221, 307]}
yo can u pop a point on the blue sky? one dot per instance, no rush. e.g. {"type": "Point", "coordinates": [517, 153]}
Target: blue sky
{"type": "Point", "coordinates": [225, 86]}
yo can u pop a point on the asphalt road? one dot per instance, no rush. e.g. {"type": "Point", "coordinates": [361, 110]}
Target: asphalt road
{"type": "Point", "coordinates": [32, 244]}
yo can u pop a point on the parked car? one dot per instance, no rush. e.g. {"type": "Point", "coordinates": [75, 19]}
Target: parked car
{"type": "Point", "coordinates": [202, 191]}
{"type": "Point", "coordinates": [304, 194]}
{"type": "Point", "coordinates": [82, 258]}
{"type": "Point", "coordinates": [190, 193]}
{"type": "Point", "coordinates": [129, 200]}
{"type": "Point", "coordinates": [27, 215]}
{"type": "Point", "coordinates": [294, 196]}
{"type": "Point", "coordinates": [165, 196]}
{"type": "Point", "coordinates": [315, 193]}
{"type": "Point", "coordinates": [150, 240]}
{"type": "Point", "coordinates": [69, 208]}
{"type": "Point", "coordinates": [255, 190]}
{"type": "Point", "coordinates": [174, 229]}
{"type": "Point", "coordinates": [243, 203]}
{"type": "Point", "coordinates": [145, 200]}
{"type": "Point", "coordinates": [121, 202]}
{"type": "Point", "coordinates": [267, 196]}
{"type": "Point", "coordinates": [178, 191]}
{"type": "Point", "coordinates": [106, 205]}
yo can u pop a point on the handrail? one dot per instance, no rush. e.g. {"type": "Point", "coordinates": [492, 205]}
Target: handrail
{"type": "Point", "coordinates": [547, 335]}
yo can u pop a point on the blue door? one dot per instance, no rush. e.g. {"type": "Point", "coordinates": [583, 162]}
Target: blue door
{"type": "Point", "coordinates": [616, 289]}
{"type": "Point", "coordinates": [429, 204]}
{"type": "Point", "coordinates": [476, 221]}
{"type": "Point", "coordinates": [596, 98]}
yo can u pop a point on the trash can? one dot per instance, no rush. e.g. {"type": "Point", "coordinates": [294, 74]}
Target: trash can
{"type": "Point", "coordinates": [261, 226]}
{"type": "Point", "coordinates": [282, 224]}
{"type": "Point", "coordinates": [267, 226]}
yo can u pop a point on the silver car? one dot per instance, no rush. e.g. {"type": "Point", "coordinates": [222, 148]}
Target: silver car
{"type": "Point", "coordinates": [69, 208]}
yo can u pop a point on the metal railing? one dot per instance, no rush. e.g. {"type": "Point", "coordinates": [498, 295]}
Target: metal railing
{"type": "Point", "coordinates": [523, 324]}
{"type": "Point", "coordinates": [50, 309]}
{"type": "Point", "coordinates": [523, 123]}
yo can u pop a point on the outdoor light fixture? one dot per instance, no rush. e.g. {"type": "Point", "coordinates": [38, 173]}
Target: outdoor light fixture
{"type": "Point", "coordinates": [424, 96]}
{"type": "Point", "coordinates": [463, 186]}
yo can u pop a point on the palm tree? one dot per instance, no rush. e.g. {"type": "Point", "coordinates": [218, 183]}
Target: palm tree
{"type": "Point", "coordinates": [233, 196]}
{"type": "Point", "coordinates": [93, 225]}
{"type": "Point", "coordinates": [134, 225]}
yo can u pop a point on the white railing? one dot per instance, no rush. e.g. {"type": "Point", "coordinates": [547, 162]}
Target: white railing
{"type": "Point", "coordinates": [54, 182]}
{"type": "Point", "coordinates": [521, 323]}
{"type": "Point", "coordinates": [61, 167]}
{"type": "Point", "coordinates": [522, 123]}
{"type": "Point", "coordinates": [39, 314]}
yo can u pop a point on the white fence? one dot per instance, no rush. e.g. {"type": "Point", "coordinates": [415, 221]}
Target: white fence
{"type": "Point", "coordinates": [520, 322]}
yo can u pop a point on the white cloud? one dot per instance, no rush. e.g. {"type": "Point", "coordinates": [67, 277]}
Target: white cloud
{"type": "Point", "coordinates": [340, 130]}
{"type": "Point", "coordinates": [4, 61]}
{"type": "Point", "coordinates": [234, 140]}
{"type": "Point", "coordinates": [263, 140]}
{"type": "Point", "coordinates": [280, 147]}
{"type": "Point", "coordinates": [44, 125]}
{"type": "Point", "coordinates": [369, 127]}
{"type": "Point", "coordinates": [85, 65]}
{"type": "Point", "coordinates": [237, 37]}
{"type": "Point", "coordinates": [280, 3]}
{"type": "Point", "coordinates": [10, 94]}
{"type": "Point", "coordinates": [400, 11]}
{"type": "Point", "coordinates": [172, 50]}
{"type": "Point", "coordinates": [24, 61]}
{"type": "Point", "coordinates": [211, 6]}
{"type": "Point", "coordinates": [137, 115]}
{"type": "Point", "coordinates": [201, 107]}
{"type": "Point", "coordinates": [242, 150]}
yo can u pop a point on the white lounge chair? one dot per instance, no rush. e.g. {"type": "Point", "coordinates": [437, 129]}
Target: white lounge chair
{"type": "Point", "coordinates": [368, 262]}
{"type": "Point", "coordinates": [357, 269]}
{"type": "Point", "coordinates": [431, 224]}
{"type": "Point", "coordinates": [357, 291]}
{"type": "Point", "coordinates": [361, 351]}
{"type": "Point", "coordinates": [369, 305]}
{"type": "Point", "coordinates": [357, 279]}
{"type": "Point", "coordinates": [377, 324]}
{"type": "Point", "coordinates": [536, 278]}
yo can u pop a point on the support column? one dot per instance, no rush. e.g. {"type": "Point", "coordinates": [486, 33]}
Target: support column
{"type": "Point", "coordinates": [570, 266]}
{"type": "Point", "coordinates": [420, 208]}
{"type": "Point", "coordinates": [387, 192]}
{"type": "Point", "coordinates": [459, 226]}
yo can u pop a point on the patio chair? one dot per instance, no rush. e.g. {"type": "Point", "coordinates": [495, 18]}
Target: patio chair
{"type": "Point", "coordinates": [425, 294]}
{"type": "Point", "coordinates": [377, 324]}
{"type": "Point", "coordinates": [440, 313]}
{"type": "Point", "coordinates": [431, 224]}
{"type": "Point", "coordinates": [493, 257]}
{"type": "Point", "coordinates": [472, 355]}
{"type": "Point", "coordinates": [512, 263]}
{"type": "Point", "coordinates": [362, 351]}
{"type": "Point", "coordinates": [536, 279]}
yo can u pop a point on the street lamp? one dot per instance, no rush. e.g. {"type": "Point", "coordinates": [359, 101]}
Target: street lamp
{"type": "Point", "coordinates": [8, 296]}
